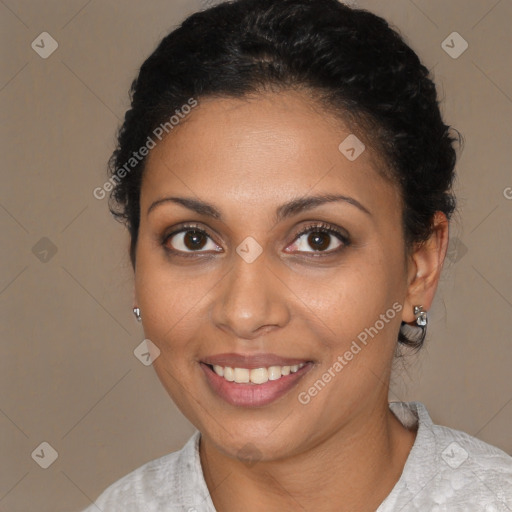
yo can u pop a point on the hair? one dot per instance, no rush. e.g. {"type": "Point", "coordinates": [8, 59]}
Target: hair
{"type": "Point", "coordinates": [351, 61]}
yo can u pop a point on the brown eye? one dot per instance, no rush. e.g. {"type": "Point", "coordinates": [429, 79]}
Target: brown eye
{"type": "Point", "coordinates": [319, 241]}
{"type": "Point", "coordinates": [194, 240]}
{"type": "Point", "coordinates": [190, 240]}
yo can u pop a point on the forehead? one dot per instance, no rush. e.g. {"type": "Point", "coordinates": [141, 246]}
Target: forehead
{"type": "Point", "coordinates": [263, 149]}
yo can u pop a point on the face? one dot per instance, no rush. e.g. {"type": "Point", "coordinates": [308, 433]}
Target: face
{"type": "Point", "coordinates": [262, 247]}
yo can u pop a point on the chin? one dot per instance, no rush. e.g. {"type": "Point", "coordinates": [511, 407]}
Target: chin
{"type": "Point", "coordinates": [251, 441]}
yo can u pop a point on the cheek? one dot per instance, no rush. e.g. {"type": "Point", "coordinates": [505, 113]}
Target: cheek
{"type": "Point", "coordinates": [169, 304]}
{"type": "Point", "coordinates": [353, 320]}
{"type": "Point", "coordinates": [349, 299]}
{"type": "Point", "coordinates": [169, 300]}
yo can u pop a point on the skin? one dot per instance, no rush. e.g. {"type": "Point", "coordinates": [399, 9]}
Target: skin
{"type": "Point", "coordinates": [344, 450]}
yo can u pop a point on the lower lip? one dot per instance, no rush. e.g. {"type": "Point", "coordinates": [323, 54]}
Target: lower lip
{"type": "Point", "coordinates": [253, 395]}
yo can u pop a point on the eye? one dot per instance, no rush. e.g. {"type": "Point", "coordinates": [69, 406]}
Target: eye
{"type": "Point", "coordinates": [190, 239]}
{"type": "Point", "coordinates": [320, 238]}
{"type": "Point", "coordinates": [314, 239]}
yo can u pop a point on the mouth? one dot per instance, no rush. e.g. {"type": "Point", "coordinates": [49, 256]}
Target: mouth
{"type": "Point", "coordinates": [253, 384]}
{"type": "Point", "coordinates": [256, 376]}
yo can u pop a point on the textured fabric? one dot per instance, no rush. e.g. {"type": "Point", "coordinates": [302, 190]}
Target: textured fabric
{"type": "Point", "coordinates": [446, 471]}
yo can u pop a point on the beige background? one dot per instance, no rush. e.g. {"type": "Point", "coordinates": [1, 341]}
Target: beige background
{"type": "Point", "coordinates": [68, 373]}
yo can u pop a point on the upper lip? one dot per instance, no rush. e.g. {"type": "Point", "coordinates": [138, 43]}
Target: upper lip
{"type": "Point", "coordinates": [234, 360]}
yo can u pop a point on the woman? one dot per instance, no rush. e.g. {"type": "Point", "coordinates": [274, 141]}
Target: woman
{"type": "Point", "coordinates": [285, 176]}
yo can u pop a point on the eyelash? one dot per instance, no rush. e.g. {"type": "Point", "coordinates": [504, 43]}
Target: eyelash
{"type": "Point", "coordinates": [312, 228]}
{"type": "Point", "coordinates": [323, 228]}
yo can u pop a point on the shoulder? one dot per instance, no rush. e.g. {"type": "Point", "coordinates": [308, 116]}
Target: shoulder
{"type": "Point", "coordinates": [448, 469]}
{"type": "Point", "coordinates": [457, 449]}
{"type": "Point", "coordinates": [470, 473]}
{"type": "Point", "coordinates": [466, 459]}
{"type": "Point", "coordinates": [166, 483]}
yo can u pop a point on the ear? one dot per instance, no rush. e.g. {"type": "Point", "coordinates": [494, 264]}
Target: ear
{"type": "Point", "coordinates": [424, 270]}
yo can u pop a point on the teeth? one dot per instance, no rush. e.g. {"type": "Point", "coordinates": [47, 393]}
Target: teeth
{"type": "Point", "coordinates": [229, 374]}
{"type": "Point", "coordinates": [274, 373]}
{"type": "Point", "coordinates": [256, 375]}
{"type": "Point", "coordinates": [259, 376]}
{"type": "Point", "coordinates": [241, 375]}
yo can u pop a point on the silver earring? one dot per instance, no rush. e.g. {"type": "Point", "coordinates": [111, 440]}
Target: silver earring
{"type": "Point", "coordinates": [136, 312]}
{"type": "Point", "coordinates": [421, 316]}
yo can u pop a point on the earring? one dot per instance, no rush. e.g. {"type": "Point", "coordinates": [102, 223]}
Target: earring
{"type": "Point", "coordinates": [421, 316]}
{"type": "Point", "coordinates": [136, 312]}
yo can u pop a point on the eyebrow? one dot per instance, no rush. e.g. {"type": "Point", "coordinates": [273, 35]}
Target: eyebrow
{"type": "Point", "coordinates": [289, 209]}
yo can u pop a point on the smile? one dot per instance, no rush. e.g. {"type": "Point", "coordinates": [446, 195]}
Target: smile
{"type": "Point", "coordinates": [255, 375]}
{"type": "Point", "coordinates": [256, 386]}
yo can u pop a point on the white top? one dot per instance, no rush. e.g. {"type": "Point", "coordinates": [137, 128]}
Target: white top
{"type": "Point", "coordinates": [446, 470]}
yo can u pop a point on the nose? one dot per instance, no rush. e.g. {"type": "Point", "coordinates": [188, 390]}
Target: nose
{"type": "Point", "coordinates": [250, 300]}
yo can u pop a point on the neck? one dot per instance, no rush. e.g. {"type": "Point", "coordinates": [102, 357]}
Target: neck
{"type": "Point", "coordinates": [354, 469]}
